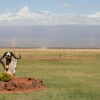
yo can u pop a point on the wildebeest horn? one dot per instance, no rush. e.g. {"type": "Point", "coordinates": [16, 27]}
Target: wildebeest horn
{"type": "Point", "coordinates": [15, 56]}
{"type": "Point", "coordinates": [3, 55]}
{"type": "Point", "coordinates": [2, 58]}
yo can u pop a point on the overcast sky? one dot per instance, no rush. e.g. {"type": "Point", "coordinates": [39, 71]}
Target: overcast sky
{"type": "Point", "coordinates": [37, 20]}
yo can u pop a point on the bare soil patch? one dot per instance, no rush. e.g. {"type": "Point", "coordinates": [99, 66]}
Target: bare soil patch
{"type": "Point", "coordinates": [21, 85]}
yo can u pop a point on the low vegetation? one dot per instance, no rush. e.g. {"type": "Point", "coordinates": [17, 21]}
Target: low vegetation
{"type": "Point", "coordinates": [5, 77]}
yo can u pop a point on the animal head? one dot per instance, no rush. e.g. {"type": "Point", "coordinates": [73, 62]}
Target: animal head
{"type": "Point", "coordinates": [9, 55]}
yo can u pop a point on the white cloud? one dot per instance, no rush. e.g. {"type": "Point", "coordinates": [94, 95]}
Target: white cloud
{"type": "Point", "coordinates": [93, 16]}
{"type": "Point", "coordinates": [25, 17]}
{"type": "Point", "coordinates": [67, 5]}
{"type": "Point", "coordinates": [24, 11]}
{"type": "Point", "coordinates": [80, 5]}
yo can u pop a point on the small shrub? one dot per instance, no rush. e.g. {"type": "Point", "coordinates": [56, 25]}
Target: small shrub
{"type": "Point", "coordinates": [5, 77]}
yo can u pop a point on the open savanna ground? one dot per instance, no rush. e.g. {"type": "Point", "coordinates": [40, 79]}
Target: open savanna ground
{"type": "Point", "coordinates": [68, 74]}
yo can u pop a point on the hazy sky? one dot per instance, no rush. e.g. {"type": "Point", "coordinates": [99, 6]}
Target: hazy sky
{"type": "Point", "coordinates": [50, 23]}
{"type": "Point", "coordinates": [50, 36]}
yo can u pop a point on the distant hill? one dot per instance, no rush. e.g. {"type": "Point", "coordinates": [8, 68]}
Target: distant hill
{"type": "Point", "coordinates": [61, 36]}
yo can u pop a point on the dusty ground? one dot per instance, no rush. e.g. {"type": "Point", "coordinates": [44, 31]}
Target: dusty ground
{"type": "Point", "coordinates": [20, 85]}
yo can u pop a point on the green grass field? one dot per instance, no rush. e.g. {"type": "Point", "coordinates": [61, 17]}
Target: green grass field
{"type": "Point", "coordinates": [72, 74]}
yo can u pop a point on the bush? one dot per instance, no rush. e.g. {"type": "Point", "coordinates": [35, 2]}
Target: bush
{"type": "Point", "coordinates": [5, 77]}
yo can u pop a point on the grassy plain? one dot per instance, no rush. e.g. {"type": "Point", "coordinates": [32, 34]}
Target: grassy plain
{"type": "Point", "coordinates": [68, 74]}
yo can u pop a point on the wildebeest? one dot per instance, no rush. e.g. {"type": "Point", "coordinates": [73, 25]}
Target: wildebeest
{"type": "Point", "coordinates": [9, 61]}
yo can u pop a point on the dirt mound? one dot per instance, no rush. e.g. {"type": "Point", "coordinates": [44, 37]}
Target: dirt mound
{"type": "Point", "coordinates": [20, 85]}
